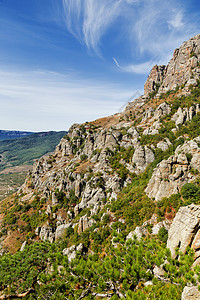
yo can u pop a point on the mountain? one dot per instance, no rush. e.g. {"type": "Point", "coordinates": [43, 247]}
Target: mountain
{"type": "Point", "coordinates": [17, 156]}
{"type": "Point", "coordinates": [114, 211]}
{"type": "Point", "coordinates": [12, 134]}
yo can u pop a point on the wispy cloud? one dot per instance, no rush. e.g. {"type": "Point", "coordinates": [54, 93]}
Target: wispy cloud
{"type": "Point", "coordinates": [142, 68]}
{"type": "Point", "coordinates": [152, 28]}
{"type": "Point", "coordinates": [51, 101]}
{"type": "Point", "coordinates": [88, 20]}
{"type": "Point", "coordinates": [177, 20]}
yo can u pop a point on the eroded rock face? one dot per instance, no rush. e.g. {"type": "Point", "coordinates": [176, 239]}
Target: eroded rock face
{"type": "Point", "coordinates": [153, 124]}
{"type": "Point", "coordinates": [190, 293]}
{"type": "Point", "coordinates": [154, 79]}
{"type": "Point", "coordinates": [84, 223]}
{"type": "Point", "coordinates": [60, 230]}
{"type": "Point", "coordinates": [180, 69]}
{"type": "Point", "coordinates": [142, 157]}
{"type": "Point", "coordinates": [184, 115]}
{"type": "Point", "coordinates": [72, 251]}
{"type": "Point", "coordinates": [185, 230]}
{"type": "Point", "coordinates": [171, 174]}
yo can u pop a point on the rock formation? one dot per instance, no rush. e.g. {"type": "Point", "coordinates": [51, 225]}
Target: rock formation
{"type": "Point", "coordinates": [185, 231]}
{"type": "Point", "coordinates": [183, 66]}
{"type": "Point", "coordinates": [171, 174]}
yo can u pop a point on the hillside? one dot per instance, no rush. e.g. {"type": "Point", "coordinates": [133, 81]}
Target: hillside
{"type": "Point", "coordinates": [114, 211]}
{"type": "Point", "coordinates": [18, 155]}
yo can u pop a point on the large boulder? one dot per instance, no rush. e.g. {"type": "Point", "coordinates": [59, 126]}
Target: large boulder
{"type": "Point", "coordinates": [142, 157]}
{"type": "Point", "coordinates": [190, 293]}
{"type": "Point", "coordinates": [185, 230]}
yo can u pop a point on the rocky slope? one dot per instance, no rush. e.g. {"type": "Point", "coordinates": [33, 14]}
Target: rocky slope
{"type": "Point", "coordinates": [108, 176]}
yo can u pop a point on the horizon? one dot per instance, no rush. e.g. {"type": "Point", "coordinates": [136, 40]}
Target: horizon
{"type": "Point", "coordinates": [70, 61]}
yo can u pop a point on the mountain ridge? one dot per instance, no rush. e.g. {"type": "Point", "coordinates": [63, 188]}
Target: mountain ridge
{"type": "Point", "coordinates": [102, 204]}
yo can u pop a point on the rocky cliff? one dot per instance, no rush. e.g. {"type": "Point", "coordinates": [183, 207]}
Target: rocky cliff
{"type": "Point", "coordinates": [183, 69]}
{"type": "Point", "coordinates": [122, 176]}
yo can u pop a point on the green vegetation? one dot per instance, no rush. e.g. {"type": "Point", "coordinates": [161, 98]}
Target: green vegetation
{"type": "Point", "coordinates": [110, 267]}
{"type": "Point", "coordinates": [25, 150]}
{"type": "Point", "coordinates": [22, 152]}
{"type": "Point", "coordinates": [43, 270]}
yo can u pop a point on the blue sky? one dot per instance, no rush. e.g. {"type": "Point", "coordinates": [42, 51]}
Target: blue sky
{"type": "Point", "coordinates": [70, 61]}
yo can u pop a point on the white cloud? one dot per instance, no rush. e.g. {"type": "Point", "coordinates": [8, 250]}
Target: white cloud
{"type": "Point", "coordinates": [152, 28]}
{"type": "Point", "coordinates": [143, 68]}
{"type": "Point", "coordinates": [88, 20]}
{"type": "Point", "coordinates": [51, 101]}
{"type": "Point", "coordinates": [177, 21]}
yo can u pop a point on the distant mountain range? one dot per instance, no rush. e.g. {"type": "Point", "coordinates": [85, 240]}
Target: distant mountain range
{"type": "Point", "coordinates": [13, 134]}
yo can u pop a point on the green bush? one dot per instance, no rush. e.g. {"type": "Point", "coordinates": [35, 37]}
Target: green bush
{"type": "Point", "coordinates": [189, 191]}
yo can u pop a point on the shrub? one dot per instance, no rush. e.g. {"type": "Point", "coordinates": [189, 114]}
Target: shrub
{"type": "Point", "coordinates": [83, 157]}
{"type": "Point", "coordinates": [189, 190]}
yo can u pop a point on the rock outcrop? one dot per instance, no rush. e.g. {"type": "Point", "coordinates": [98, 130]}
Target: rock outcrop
{"type": "Point", "coordinates": [73, 250]}
{"type": "Point", "coordinates": [182, 69]}
{"type": "Point", "coordinates": [185, 231]}
{"type": "Point", "coordinates": [171, 174]}
{"type": "Point", "coordinates": [186, 114]}
{"type": "Point", "coordinates": [190, 293]}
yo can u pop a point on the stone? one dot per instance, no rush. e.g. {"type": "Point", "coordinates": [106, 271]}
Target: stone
{"type": "Point", "coordinates": [139, 232]}
{"type": "Point", "coordinates": [171, 174]}
{"type": "Point", "coordinates": [54, 199]}
{"type": "Point", "coordinates": [46, 233]}
{"type": "Point", "coordinates": [48, 211]}
{"type": "Point", "coordinates": [184, 229]}
{"type": "Point", "coordinates": [72, 251]}
{"type": "Point", "coordinates": [158, 271]}
{"type": "Point", "coordinates": [84, 223]}
{"type": "Point", "coordinates": [60, 230]}
{"type": "Point", "coordinates": [23, 246]}
{"type": "Point", "coordinates": [182, 68]}
{"type": "Point", "coordinates": [190, 293]}
{"type": "Point", "coordinates": [142, 157]}
{"type": "Point", "coordinates": [154, 79]}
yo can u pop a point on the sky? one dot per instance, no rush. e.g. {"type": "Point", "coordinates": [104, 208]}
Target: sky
{"type": "Point", "coordinates": [71, 61]}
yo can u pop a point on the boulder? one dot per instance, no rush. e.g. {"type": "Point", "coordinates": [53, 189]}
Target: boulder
{"type": "Point", "coordinates": [72, 251]}
{"type": "Point", "coordinates": [190, 293]}
{"type": "Point", "coordinates": [60, 230]}
{"type": "Point", "coordinates": [142, 157]}
{"type": "Point", "coordinates": [184, 230]}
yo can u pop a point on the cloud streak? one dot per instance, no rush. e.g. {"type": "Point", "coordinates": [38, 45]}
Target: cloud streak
{"type": "Point", "coordinates": [151, 28]}
{"type": "Point", "coordinates": [88, 20]}
{"type": "Point", "coordinates": [142, 68]}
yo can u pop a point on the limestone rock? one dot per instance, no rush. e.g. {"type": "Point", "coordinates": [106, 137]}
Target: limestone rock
{"type": "Point", "coordinates": [171, 174]}
{"type": "Point", "coordinates": [181, 68]}
{"type": "Point", "coordinates": [23, 246]}
{"type": "Point", "coordinates": [184, 230]}
{"type": "Point", "coordinates": [60, 230]}
{"type": "Point", "coordinates": [190, 293]}
{"type": "Point", "coordinates": [46, 234]}
{"type": "Point", "coordinates": [139, 232]}
{"type": "Point", "coordinates": [72, 251]}
{"type": "Point", "coordinates": [142, 157]}
{"type": "Point", "coordinates": [84, 223]}
{"type": "Point", "coordinates": [54, 199]}
{"type": "Point", "coordinates": [164, 145]}
{"type": "Point", "coordinates": [154, 79]}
